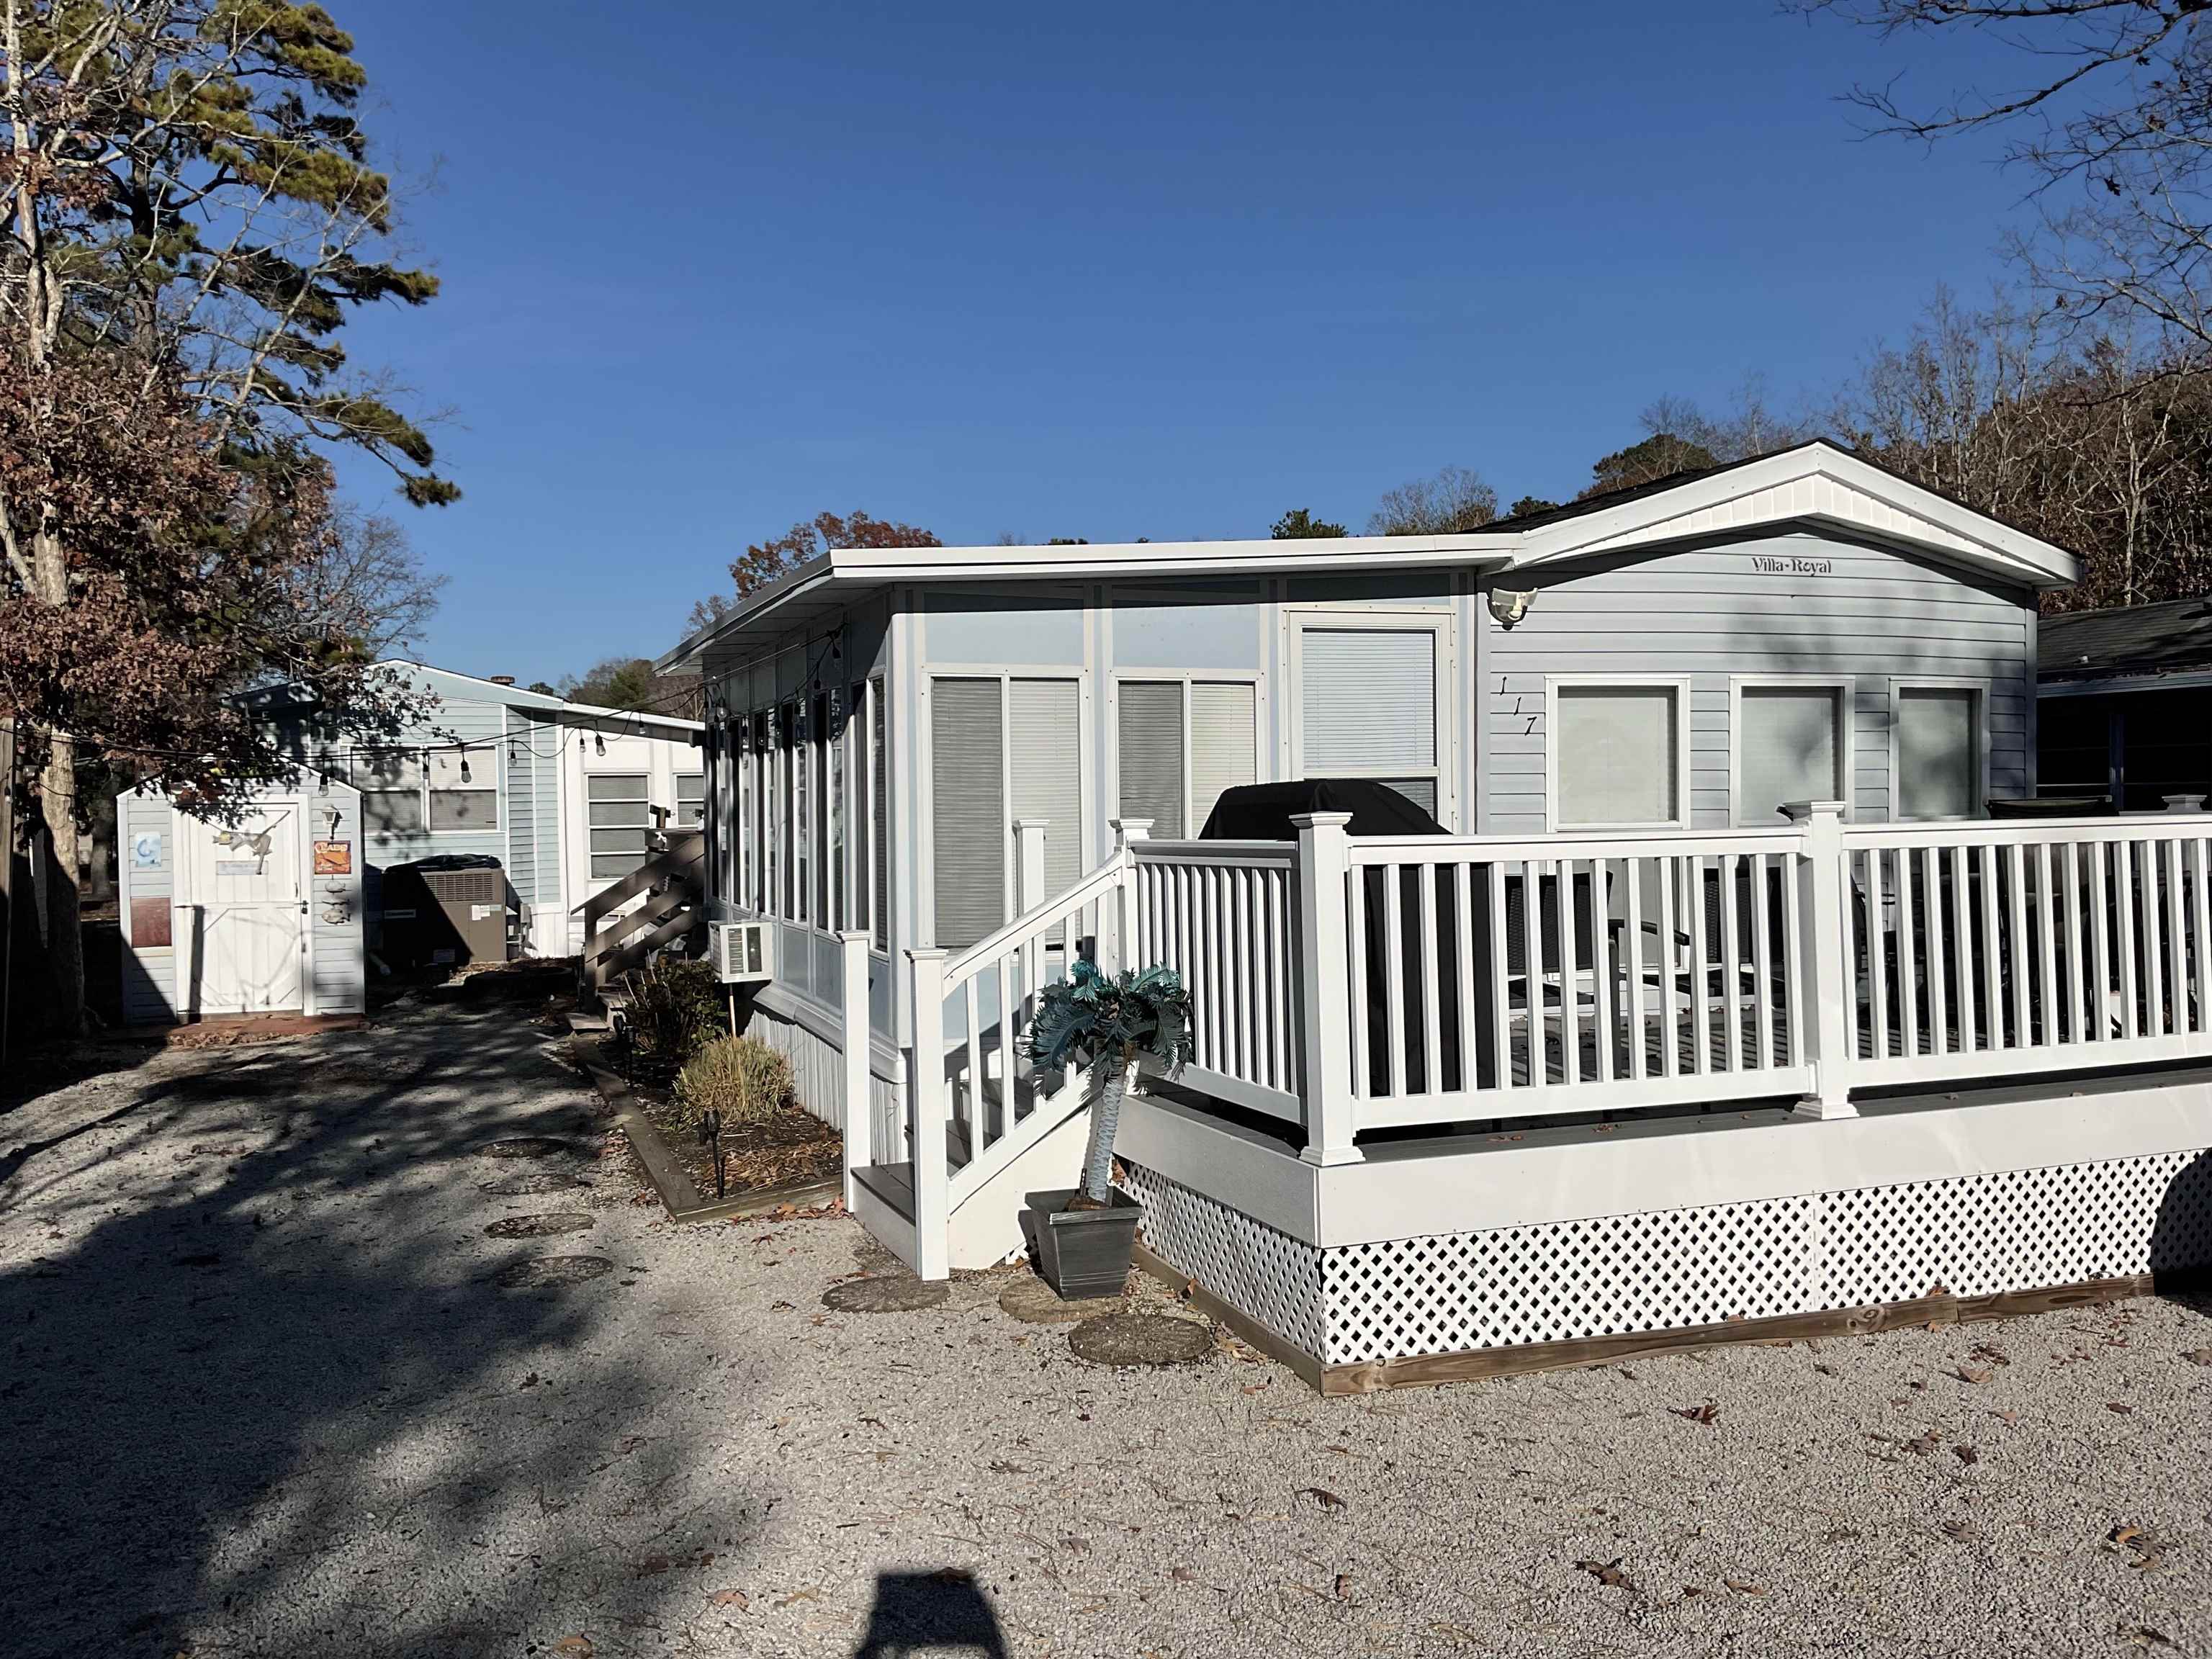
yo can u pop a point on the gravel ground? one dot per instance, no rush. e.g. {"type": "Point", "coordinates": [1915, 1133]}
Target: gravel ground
{"type": "Point", "coordinates": [265, 1393]}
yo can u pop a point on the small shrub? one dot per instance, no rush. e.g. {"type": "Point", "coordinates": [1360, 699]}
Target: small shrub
{"type": "Point", "coordinates": [676, 1009]}
{"type": "Point", "coordinates": [741, 1078]}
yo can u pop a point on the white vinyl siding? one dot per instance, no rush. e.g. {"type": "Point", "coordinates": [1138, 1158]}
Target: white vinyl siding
{"type": "Point", "coordinates": [469, 802]}
{"type": "Point", "coordinates": [967, 810]}
{"type": "Point", "coordinates": [1616, 754]}
{"type": "Point", "coordinates": [1790, 747]}
{"type": "Point", "coordinates": [1223, 738]}
{"type": "Point", "coordinates": [1150, 753]}
{"type": "Point", "coordinates": [1938, 752]}
{"type": "Point", "coordinates": [1045, 773]}
{"type": "Point", "coordinates": [1367, 707]}
{"type": "Point", "coordinates": [621, 816]}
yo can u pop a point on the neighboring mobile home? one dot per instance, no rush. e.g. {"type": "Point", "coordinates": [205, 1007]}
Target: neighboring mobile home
{"type": "Point", "coordinates": [939, 771]}
{"type": "Point", "coordinates": [563, 794]}
{"type": "Point", "coordinates": [2124, 703]}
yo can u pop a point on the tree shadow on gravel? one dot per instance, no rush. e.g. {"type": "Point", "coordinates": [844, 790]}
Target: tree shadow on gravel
{"type": "Point", "coordinates": [216, 1379]}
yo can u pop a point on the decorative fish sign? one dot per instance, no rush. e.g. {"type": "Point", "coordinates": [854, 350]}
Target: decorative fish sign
{"type": "Point", "coordinates": [254, 843]}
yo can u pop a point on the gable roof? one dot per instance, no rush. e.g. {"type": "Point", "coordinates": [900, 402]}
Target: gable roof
{"type": "Point", "coordinates": [2173, 637]}
{"type": "Point", "coordinates": [1817, 483]}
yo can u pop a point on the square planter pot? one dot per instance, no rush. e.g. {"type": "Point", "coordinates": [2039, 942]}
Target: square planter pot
{"type": "Point", "coordinates": [1083, 1252]}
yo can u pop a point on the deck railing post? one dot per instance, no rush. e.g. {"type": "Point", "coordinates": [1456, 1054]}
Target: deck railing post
{"type": "Point", "coordinates": [859, 1119]}
{"type": "Point", "coordinates": [925, 1084]}
{"type": "Point", "coordinates": [1324, 871]}
{"type": "Point", "coordinates": [1127, 832]}
{"type": "Point", "coordinates": [1825, 962]}
{"type": "Point", "coordinates": [1029, 864]}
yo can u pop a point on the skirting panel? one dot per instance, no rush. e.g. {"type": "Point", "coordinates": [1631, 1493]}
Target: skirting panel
{"type": "Point", "coordinates": [1969, 1236]}
{"type": "Point", "coordinates": [818, 1072]}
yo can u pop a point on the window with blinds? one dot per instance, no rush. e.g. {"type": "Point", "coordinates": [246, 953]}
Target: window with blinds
{"type": "Point", "coordinates": [1615, 756]}
{"type": "Point", "coordinates": [1789, 747]}
{"type": "Point", "coordinates": [1150, 748]}
{"type": "Point", "coordinates": [691, 800]}
{"type": "Point", "coordinates": [1045, 773]}
{"type": "Point", "coordinates": [464, 790]}
{"type": "Point", "coordinates": [1223, 741]}
{"type": "Point", "coordinates": [967, 810]}
{"type": "Point", "coordinates": [1367, 707]}
{"type": "Point", "coordinates": [1939, 770]}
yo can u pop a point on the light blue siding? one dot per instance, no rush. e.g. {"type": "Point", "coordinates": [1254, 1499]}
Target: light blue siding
{"type": "Point", "coordinates": [1875, 618]}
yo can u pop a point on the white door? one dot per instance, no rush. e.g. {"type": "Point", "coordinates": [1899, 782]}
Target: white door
{"type": "Point", "coordinates": [241, 917]}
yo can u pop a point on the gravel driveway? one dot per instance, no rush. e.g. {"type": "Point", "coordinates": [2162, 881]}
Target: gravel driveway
{"type": "Point", "coordinates": [265, 1394]}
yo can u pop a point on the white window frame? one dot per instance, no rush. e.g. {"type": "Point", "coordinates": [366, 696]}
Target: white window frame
{"type": "Point", "coordinates": [1679, 685]}
{"type": "Point", "coordinates": [1980, 689]}
{"type": "Point", "coordinates": [644, 798]}
{"type": "Point", "coordinates": [1004, 673]}
{"type": "Point", "coordinates": [492, 751]}
{"type": "Point", "coordinates": [1845, 690]}
{"type": "Point", "coordinates": [1300, 619]}
{"type": "Point", "coordinates": [1185, 677]}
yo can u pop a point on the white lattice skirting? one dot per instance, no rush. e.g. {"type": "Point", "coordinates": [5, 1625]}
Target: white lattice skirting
{"type": "Point", "coordinates": [1971, 1235]}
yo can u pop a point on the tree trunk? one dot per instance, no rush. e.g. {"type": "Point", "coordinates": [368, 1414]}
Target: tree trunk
{"type": "Point", "coordinates": [1105, 1118]}
{"type": "Point", "coordinates": [64, 929]}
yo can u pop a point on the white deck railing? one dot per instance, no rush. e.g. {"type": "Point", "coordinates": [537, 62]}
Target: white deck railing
{"type": "Point", "coordinates": [1388, 982]}
{"type": "Point", "coordinates": [1222, 914]}
{"type": "Point", "coordinates": [1983, 950]}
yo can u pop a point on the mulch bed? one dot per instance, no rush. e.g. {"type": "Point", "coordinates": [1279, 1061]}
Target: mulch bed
{"type": "Point", "coordinates": [790, 1148]}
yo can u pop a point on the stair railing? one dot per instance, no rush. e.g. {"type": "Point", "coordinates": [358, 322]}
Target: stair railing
{"type": "Point", "coordinates": [993, 985]}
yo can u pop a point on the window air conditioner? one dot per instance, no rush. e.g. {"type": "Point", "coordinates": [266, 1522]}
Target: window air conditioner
{"type": "Point", "coordinates": [744, 951]}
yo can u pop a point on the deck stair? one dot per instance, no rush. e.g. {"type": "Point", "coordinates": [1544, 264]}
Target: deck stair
{"type": "Point", "coordinates": [654, 906]}
{"type": "Point", "coordinates": [1007, 1130]}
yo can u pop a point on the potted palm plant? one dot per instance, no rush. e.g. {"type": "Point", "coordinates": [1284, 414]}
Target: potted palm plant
{"type": "Point", "coordinates": [1085, 1236]}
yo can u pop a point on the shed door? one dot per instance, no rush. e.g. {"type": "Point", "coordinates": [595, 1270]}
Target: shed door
{"type": "Point", "coordinates": [241, 919]}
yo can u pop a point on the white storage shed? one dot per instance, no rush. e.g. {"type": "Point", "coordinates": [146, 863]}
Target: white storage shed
{"type": "Point", "coordinates": [258, 912]}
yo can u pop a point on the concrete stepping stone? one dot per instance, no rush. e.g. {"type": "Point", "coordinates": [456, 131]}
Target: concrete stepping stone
{"type": "Point", "coordinates": [545, 1271]}
{"type": "Point", "coordinates": [1138, 1338]}
{"type": "Point", "coordinates": [544, 1225]}
{"type": "Point", "coordinates": [884, 1293]}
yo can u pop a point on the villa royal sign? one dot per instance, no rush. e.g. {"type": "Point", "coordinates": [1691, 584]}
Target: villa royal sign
{"type": "Point", "coordinates": [1766, 564]}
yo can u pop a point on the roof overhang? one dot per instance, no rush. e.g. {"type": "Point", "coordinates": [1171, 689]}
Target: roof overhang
{"type": "Point", "coordinates": [831, 581]}
{"type": "Point", "coordinates": [1814, 484]}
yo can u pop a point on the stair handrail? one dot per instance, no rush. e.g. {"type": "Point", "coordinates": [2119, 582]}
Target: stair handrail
{"type": "Point", "coordinates": [1023, 929]}
{"type": "Point", "coordinates": [934, 976]}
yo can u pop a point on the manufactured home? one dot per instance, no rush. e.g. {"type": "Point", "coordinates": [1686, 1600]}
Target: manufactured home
{"type": "Point", "coordinates": [1714, 996]}
{"type": "Point", "coordinates": [567, 797]}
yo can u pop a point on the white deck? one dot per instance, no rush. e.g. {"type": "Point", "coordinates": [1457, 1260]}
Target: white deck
{"type": "Point", "coordinates": [1753, 1074]}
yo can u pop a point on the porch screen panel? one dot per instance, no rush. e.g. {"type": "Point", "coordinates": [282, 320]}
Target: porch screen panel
{"type": "Point", "coordinates": [967, 810]}
{"type": "Point", "coordinates": [1938, 768]}
{"type": "Point", "coordinates": [880, 810]}
{"type": "Point", "coordinates": [1047, 770]}
{"type": "Point", "coordinates": [1149, 744]}
{"type": "Point", "coordinates": [1788, 749]}
{"type": "Point", "coordinates": [1615, 757]}
{"type": "Point", "coordinates": [1221, 743]}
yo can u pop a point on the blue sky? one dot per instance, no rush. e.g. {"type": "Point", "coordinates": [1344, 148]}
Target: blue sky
{"type": "Point", "coordinates": [1160, 272]}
